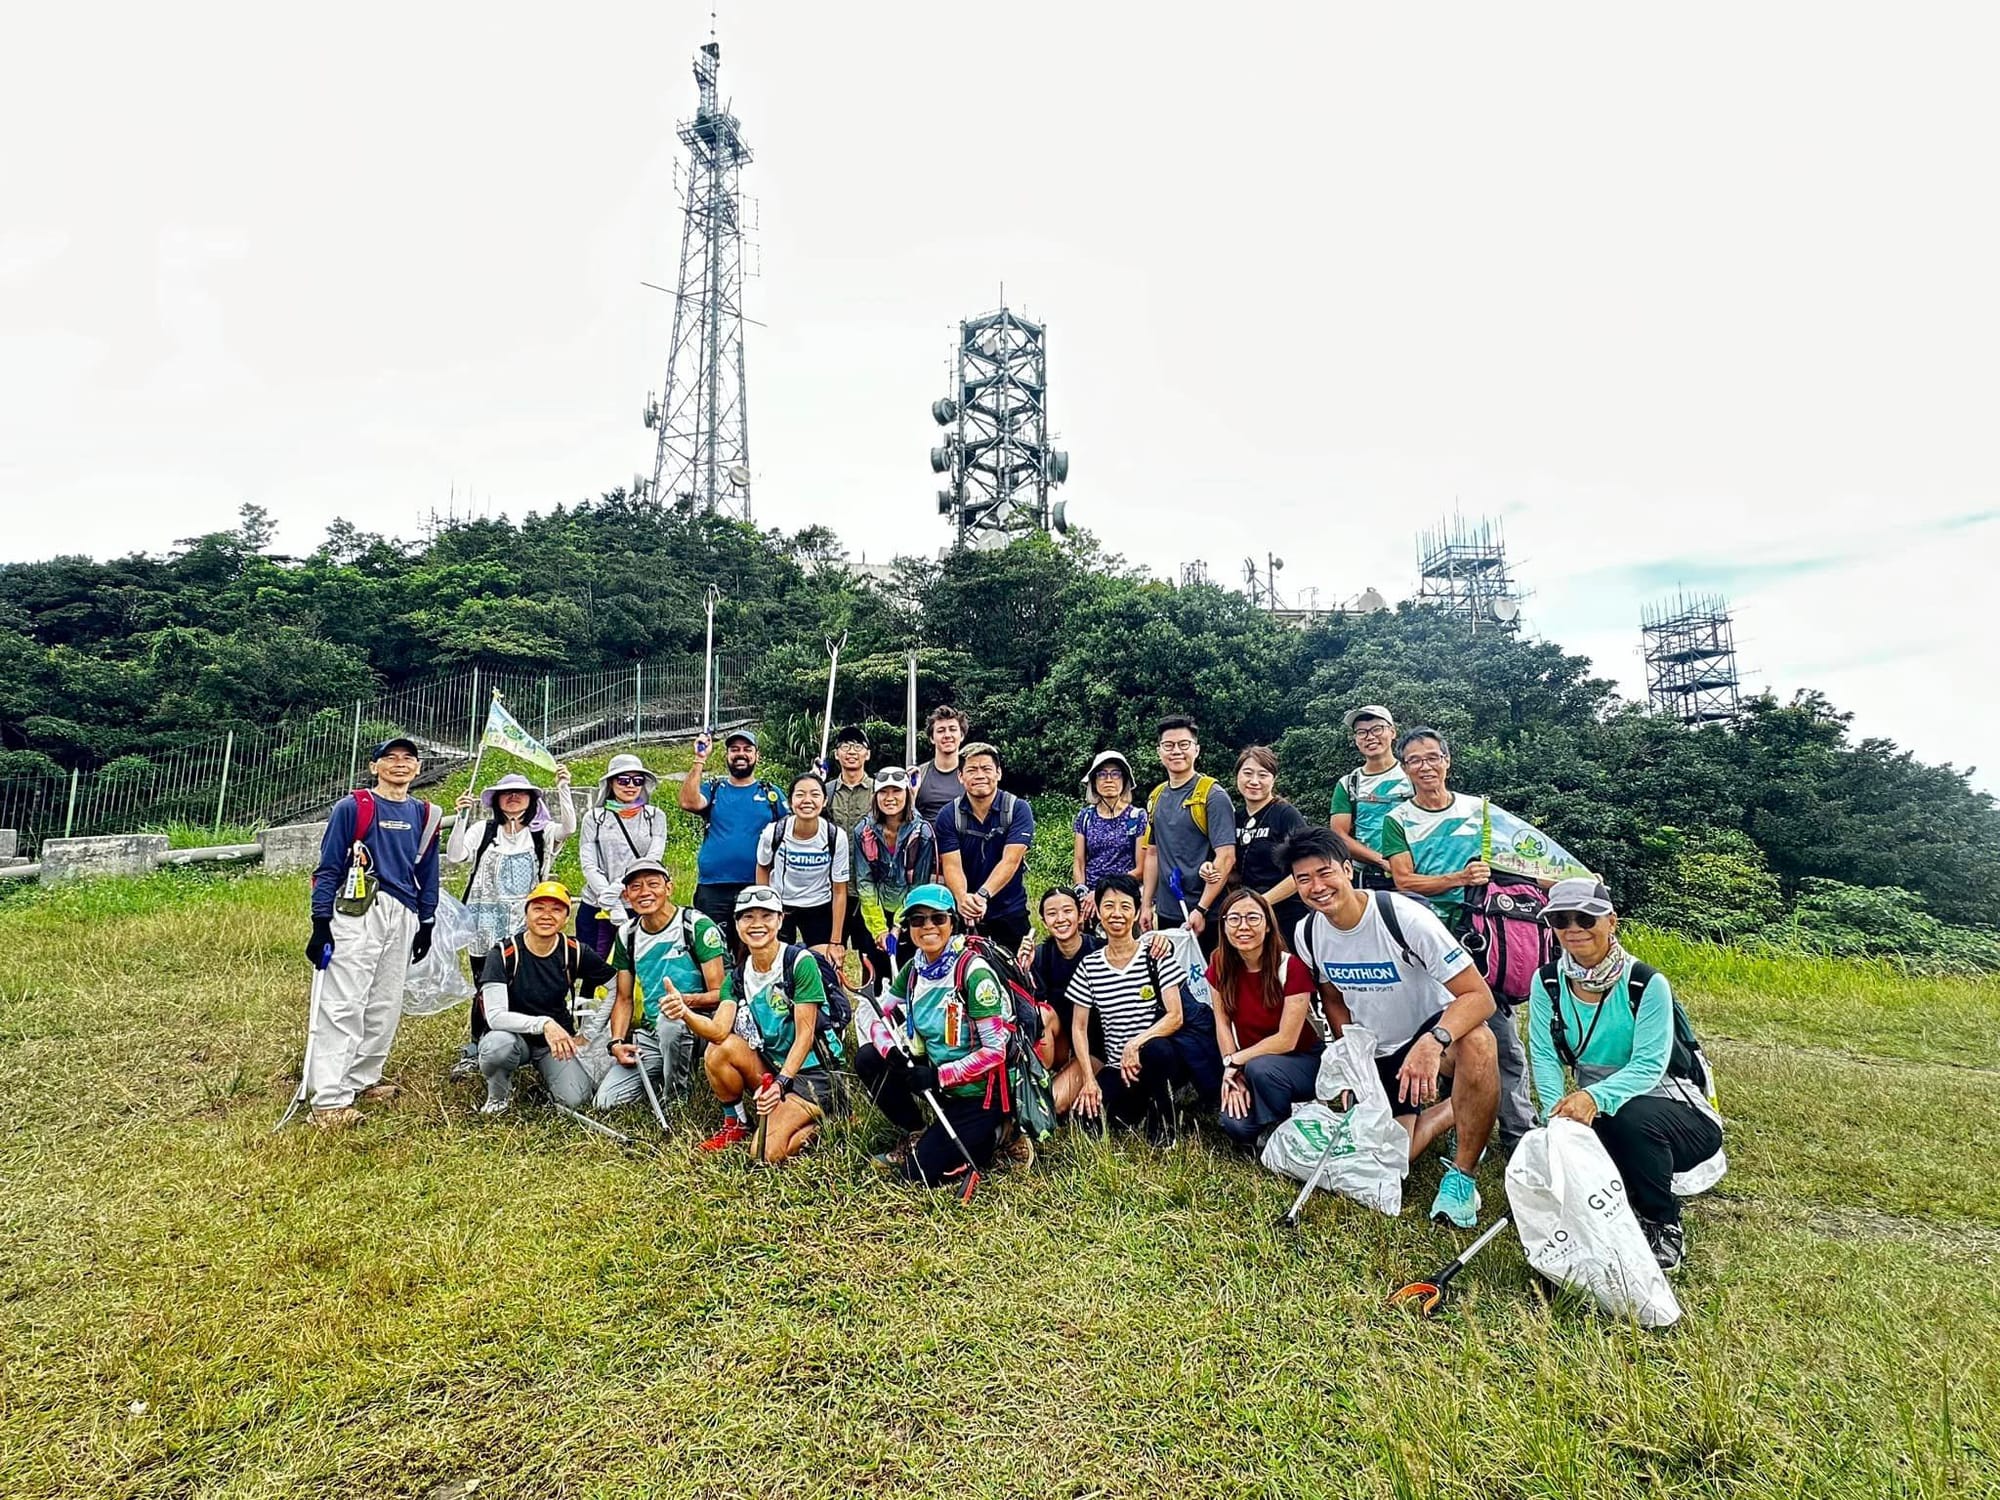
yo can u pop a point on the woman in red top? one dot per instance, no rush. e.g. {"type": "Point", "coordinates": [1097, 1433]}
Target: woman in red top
{"type": "Point", "coordinates": [1263, 1000]}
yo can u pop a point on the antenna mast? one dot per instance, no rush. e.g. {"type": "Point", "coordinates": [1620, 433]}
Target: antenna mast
{"type": "Point", "coordinates": [1464, 568]}
{"type": "Point", "coordinates": [702, 458]}
{"type": "Point", "coordinates": [996, 450]}
{"type": "Point", "coordinates": [1690, 651]}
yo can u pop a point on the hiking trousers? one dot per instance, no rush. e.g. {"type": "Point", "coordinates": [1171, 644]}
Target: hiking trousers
{"type": "Point", "coordinates": [978, 1119]}
{"type": "Point", "coordinates": [1517, 1114]}
{"type": "Point", "coordinates": [666, 1051]}
{"type": "Point", "coordinates": [501, 1052]}
{"type": "Point", "coordinates": [1277, 1082]}
{"type": "Point", "coordinates": [360, 1002]}
{"type": "Point", "coordinates": [1161, 1071]}
{"type": "Point", "coordinates": [1650, 1139]}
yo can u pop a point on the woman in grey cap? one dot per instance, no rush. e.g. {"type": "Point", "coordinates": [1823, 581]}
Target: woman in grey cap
{"type": "Point", "coordinates": [1642, 1083]}
{"type": "Point", "coordinates": [895, 851]}
{"type": "Point", "coordinates": [512, 848]}
{"type": "Point", "coordinates": [619, 831]}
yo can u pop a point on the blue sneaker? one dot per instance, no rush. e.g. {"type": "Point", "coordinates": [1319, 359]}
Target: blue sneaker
{"type": "Point", "coordinates": [1457, 1202]}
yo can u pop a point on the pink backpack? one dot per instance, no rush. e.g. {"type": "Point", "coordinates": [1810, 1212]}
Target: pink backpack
{"type": "Point", "coordinates": [1508, 939]}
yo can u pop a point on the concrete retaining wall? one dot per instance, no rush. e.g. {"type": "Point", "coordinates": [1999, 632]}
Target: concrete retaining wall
{"type": "Point", "coordinates": [291, 846]}
{"type": "Point", "coordinates": [112, 854]}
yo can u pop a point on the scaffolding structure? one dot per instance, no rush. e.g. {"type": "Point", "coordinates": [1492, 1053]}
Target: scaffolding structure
{"type": "Point", "coordinates": [1690, 651]}
{"type": "Point", "coordinates": [996, 454]}
{"type": "Point", "coordinates": [702, 415]}
{"type": "Point", "coordinates": [1464, 573]}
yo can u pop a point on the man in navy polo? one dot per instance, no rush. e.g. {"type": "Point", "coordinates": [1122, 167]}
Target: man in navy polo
{"type": "Point", "coordinates": [735, 810]}
{"type": "Point", "coordinates": [982, 837]}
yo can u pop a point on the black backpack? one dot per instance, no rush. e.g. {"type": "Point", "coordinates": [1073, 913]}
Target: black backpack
{"type": "Point", "coordinates": [1685, 1060]}
{"type": "Point", "coordinates": [1003, 816]}
{"type": "Point", "coordinates": [1027, 1088]}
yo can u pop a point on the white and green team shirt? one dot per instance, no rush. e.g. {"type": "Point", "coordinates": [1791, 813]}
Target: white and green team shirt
{"type": "Point", "coordinates": [1438, 841]}
{"type": "Point", "coordinates": [1367, 797]}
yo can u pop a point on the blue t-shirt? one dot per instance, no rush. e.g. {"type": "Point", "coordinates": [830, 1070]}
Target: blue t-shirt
{"type": "Point", "coordinates": [984, 843]}
{"type": "Point", "coordinates": [392, 843]}
{"type": "Point", "coordinates": [737, 817]}
{"type": "Point", "coordinates": [1110, 845]}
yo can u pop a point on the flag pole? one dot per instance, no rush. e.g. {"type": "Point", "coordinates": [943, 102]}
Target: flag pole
{"type": "Point", "coordinates": [480, 754]}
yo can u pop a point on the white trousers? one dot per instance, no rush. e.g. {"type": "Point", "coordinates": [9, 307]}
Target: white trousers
{"type": "Point", "coordinates": [360, 1002]}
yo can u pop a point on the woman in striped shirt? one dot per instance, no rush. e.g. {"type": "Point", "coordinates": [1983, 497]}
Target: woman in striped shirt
{"type": "Point", "coordinates": [1126, 1009]}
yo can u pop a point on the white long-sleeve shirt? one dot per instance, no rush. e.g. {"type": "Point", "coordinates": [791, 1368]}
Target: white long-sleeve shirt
{"type": "Point", "coordinates": [605, 855]}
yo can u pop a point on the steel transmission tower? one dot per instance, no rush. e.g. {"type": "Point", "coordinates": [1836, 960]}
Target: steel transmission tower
{"type": "Point", "coordinates": [996, 451]}
{"type": "Point", "coordinates": [1464, 573]}
{"type": "Point", "coordinates": [1690, 651]}
{"type": "Point", "coordinates": [703, 412]}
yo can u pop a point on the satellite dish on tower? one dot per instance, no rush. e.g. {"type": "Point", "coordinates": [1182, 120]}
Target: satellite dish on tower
{"type": "Point", "coordinates": [1371, 602]}
{"type": "Point", "coordinates": [1506, 610]}
{"type": "Point", "coordinates": [739, 476]}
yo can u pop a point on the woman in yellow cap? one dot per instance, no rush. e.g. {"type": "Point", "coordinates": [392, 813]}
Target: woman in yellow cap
{"type": "Point", "coordinates": [523, 1014]}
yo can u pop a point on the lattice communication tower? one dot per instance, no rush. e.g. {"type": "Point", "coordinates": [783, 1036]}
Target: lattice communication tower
{"type": "Point", "coordinates": [1690, 651]}
{"type": "Point", "coordinates": [1464, 568]}
{"type": "Point", "coordinates": [703, 412]}
{"type": "Point", "coordinates": [996, 454]}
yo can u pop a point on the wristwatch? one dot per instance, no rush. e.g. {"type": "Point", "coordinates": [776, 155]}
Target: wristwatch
{"type": "Point", "coordinates": [786, 1083]}
{"type": "Point", "coordinates": [1441, 1035]}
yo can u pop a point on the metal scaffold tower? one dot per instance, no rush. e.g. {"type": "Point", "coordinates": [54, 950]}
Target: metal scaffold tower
{"type": "Point", "coordinates": [1690, 650]}
{"type": "Point", "coordinates": [703, 412]}
{"type": "Point", "coordinates": [1464, 568]}
{"type": "Point", "coordinates": [996, 451]}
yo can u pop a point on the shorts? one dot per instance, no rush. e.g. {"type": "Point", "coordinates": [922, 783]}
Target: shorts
{"type": "Point", "coordinates": [808, 926]}
{"type": "Point", "coordinates": [1388, 1067]}
{"type": "Point", "coordinates": [815, 1087]}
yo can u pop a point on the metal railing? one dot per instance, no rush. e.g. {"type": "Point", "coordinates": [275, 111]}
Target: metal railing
{"type": "Point", "coordinates": [250, 777]}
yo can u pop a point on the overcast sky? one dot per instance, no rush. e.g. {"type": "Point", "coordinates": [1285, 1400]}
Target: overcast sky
{"type": "Point", "coordinates": [1706, 299]}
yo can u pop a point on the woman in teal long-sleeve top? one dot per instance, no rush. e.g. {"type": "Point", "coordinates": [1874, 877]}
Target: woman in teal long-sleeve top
{"type": "Point", "coordinates": [1653, 1117]}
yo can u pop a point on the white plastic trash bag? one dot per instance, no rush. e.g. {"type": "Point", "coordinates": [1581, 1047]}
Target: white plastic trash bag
{"type": "Point", "coordinates": [1569, 1206]}
{"type": "Point", "coordinates": [1367, 1154]}
{"type": "Point", "coordinates": [1186, 966]}
{"type": "Point", "coordinates": [439, 981]}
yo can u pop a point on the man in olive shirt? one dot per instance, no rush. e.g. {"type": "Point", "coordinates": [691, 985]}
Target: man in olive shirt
{"type": "Point", "coordinates": [852, 794]}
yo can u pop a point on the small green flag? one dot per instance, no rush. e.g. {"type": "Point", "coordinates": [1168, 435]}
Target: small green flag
{"type": "Point", "coordinates": [504, 732]}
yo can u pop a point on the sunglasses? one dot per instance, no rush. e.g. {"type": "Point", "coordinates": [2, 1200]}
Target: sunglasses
{"type": "Point", "coordinates": [628, 781]}
{"type": "Point", "coordinates": [927, 919]}
{"type": "Point", "coordinates": [1558, 920]}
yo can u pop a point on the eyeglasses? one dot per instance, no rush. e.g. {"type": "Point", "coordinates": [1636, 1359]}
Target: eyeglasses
{"type": "Point", "coordinates": [1558, 920]}
{"type": "Point", "coordinates": [1420, 761]}
{"type": "Point", "coordinates": [1177, 745]}
{"type": "Point", "coordinates": [1244, 919]}
{"type": "Point", "coordinates": [918, 919]}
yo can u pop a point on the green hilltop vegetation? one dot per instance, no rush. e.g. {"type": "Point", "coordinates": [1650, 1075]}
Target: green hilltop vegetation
{"type": "Point", "coordinates": [1783, 832]}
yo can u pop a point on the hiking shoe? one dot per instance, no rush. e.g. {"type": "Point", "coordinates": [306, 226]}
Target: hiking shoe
{"type": "Point", "coordinates": [346, 1117]}
{"type": "Point", "coordinates": [382, 1093]}
{"type": "Point", "coordinates": [733, 1131]}
{"type": "Point", "coordinates": [892, 1162]}
{"type": "Point", "coordinates": [1668, 1243]}
{"type": "Point", "coordinates": [1161, 1128]}
{"type": "Point", "coordinates": [1457, 1201]}
{"type": "Point", "coordinates": [463, 1067]}
{"type": "Point", "coordinates": [495, 1106]}
{"type": "Point", "coordinates": [1019, 1152]}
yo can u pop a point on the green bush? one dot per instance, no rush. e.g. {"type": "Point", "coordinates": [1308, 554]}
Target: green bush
{"type": "Point", "coordinates": [1715, 885]}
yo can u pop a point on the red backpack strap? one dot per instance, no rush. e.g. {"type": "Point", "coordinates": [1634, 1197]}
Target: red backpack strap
{"type": "Point", "coordinates": [364, 813]}
{"type": "Point", "coordinates": [433, 820]}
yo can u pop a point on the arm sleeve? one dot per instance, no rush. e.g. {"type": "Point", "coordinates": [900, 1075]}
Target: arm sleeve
{"type": "Point", "coordinates": [590, 859]}
{"type": "Point", "coordinates": [656, 834]}
{"type": "Point", "coordinates": [986, 1003]}
{"type": "Point", "coordinates": [459, 850]}
{"type": "Point", "coordinates": [1221, 819]}
{"type": "Point", "coordinates": [1544, 1064]}
{"type": "Point", "coordinates": [562, 814]}
{"type": "Point", "coordinates": [1652, 1045]}
{"type": "Point", "coordinates": [333, 847]}
{"type": "Point", "coordinates": [427, 877]}
{"type": "Point", "coordinates": [493, 990]}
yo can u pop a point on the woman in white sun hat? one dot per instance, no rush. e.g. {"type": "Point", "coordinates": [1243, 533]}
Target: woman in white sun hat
{"type": "Point", "coordinates": [619, 831]}
{"type": "Point", "coordinates": [511, 847]}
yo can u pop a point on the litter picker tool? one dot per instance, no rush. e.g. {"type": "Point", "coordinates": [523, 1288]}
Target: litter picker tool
{"type": "Point", "coordinates": [1180, 895]}
{"type": "Point", "coordinates": [1428, 1296]}
{"type": "Point", "coordinates": [880, 1026]}
{"type": "Point", "coordinates": [652, 1094]}
{"type": "Point", "coordinates": [1289, 1219]}
{"type": "Point", "coordinates": [708, 666]}
{"type": "Point", "coordinates": [589, 1124]}
{"type": "Point", "coordinates": [305, 1067]}
{"type": "Point", "coordinates": [833, 648]}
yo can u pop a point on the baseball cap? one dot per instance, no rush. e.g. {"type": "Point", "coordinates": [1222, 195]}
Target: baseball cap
{"type": "Point", "coordinates": [758, 898]}
{"type": "Point", "coordinates": [892, 776]}
{"type": "Point", "coordinates": [551, 890]}
{"type": "Point", "coordinates": [391, 743]}
{"type": "Point", "coordinates": [1584, 893]}
{"type": "Point", "coordinates": [1370, 711]}
{"type": "Point", "coordinates": [740, 734]}
{"type": "Point", "coordinates": [645, 867]}
{"type": "Point", "coordinates": [850, 734]}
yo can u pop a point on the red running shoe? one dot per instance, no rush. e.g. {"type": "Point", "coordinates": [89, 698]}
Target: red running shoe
{"type": "Point", "coordinates": [733, 1130]}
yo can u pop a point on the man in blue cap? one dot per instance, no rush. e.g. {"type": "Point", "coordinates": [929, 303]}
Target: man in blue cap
{"type": "Point", "coordinates": [374, 898]}
{"type": "Point", "coordinates": [734, 810]}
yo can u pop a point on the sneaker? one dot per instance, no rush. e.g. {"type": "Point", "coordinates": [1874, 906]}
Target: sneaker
{"type": "Point", "coordinates": [495, 1106]}
{"type": "Point", "coordinates": [1019, 1151]}
{"type": "Point", "coordinates": [1668, 1242]}
{"type": "Point", "coordinates": [346, 1117]}
{"type": "Point", "coordinates": [382, 1093]}
{"type": "Point", "coordinates": [463, 1067]}
{"type": "Point", "coordinates": [733, 1130]}
{"type": "Point", "coordinates": [1457, 1201]}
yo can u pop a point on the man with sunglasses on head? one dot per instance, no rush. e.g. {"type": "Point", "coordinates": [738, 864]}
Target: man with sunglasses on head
{"type": "Point", "coordinates": [1363, 797]}
{"type": "Point", "coordinates": [1385, 962]}
{"type": "Point", "coordinates": [734, 811]}
{"type": "Point", "coordinates": [1433, 842]}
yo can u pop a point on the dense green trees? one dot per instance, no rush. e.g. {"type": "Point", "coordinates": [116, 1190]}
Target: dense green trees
{"type": "Point", "coordinates": [1056, 650]}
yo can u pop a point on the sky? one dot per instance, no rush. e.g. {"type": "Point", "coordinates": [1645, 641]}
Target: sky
{"type": "Point", "coordinates": [1701, 300]}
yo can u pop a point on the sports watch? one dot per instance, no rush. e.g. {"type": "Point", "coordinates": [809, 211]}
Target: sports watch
{"type": "Point", "coordinates": [1441, 1034]}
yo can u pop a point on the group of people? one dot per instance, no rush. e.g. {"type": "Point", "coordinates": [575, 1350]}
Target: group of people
{"type": "Point", "coordinates": [1197, 965]}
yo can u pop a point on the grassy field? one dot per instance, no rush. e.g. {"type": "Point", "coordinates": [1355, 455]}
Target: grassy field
{"type": "Point", "coordinates": [436, 1306]}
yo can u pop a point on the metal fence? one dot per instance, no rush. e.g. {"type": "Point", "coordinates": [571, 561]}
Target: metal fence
{"type": "Point", "coordinates": [249, 777]}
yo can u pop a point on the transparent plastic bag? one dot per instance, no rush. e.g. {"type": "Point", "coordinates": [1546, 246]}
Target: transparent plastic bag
{"type": "Point", "coordinates": [440, 981]}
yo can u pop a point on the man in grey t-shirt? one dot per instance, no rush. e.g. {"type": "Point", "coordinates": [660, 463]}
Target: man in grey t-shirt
{"type": "Point", "coordinates": [1190, 830]}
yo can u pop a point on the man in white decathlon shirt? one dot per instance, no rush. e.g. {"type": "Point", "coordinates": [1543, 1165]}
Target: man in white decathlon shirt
{"type": "Point", "coordinates": [1384, 962]}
